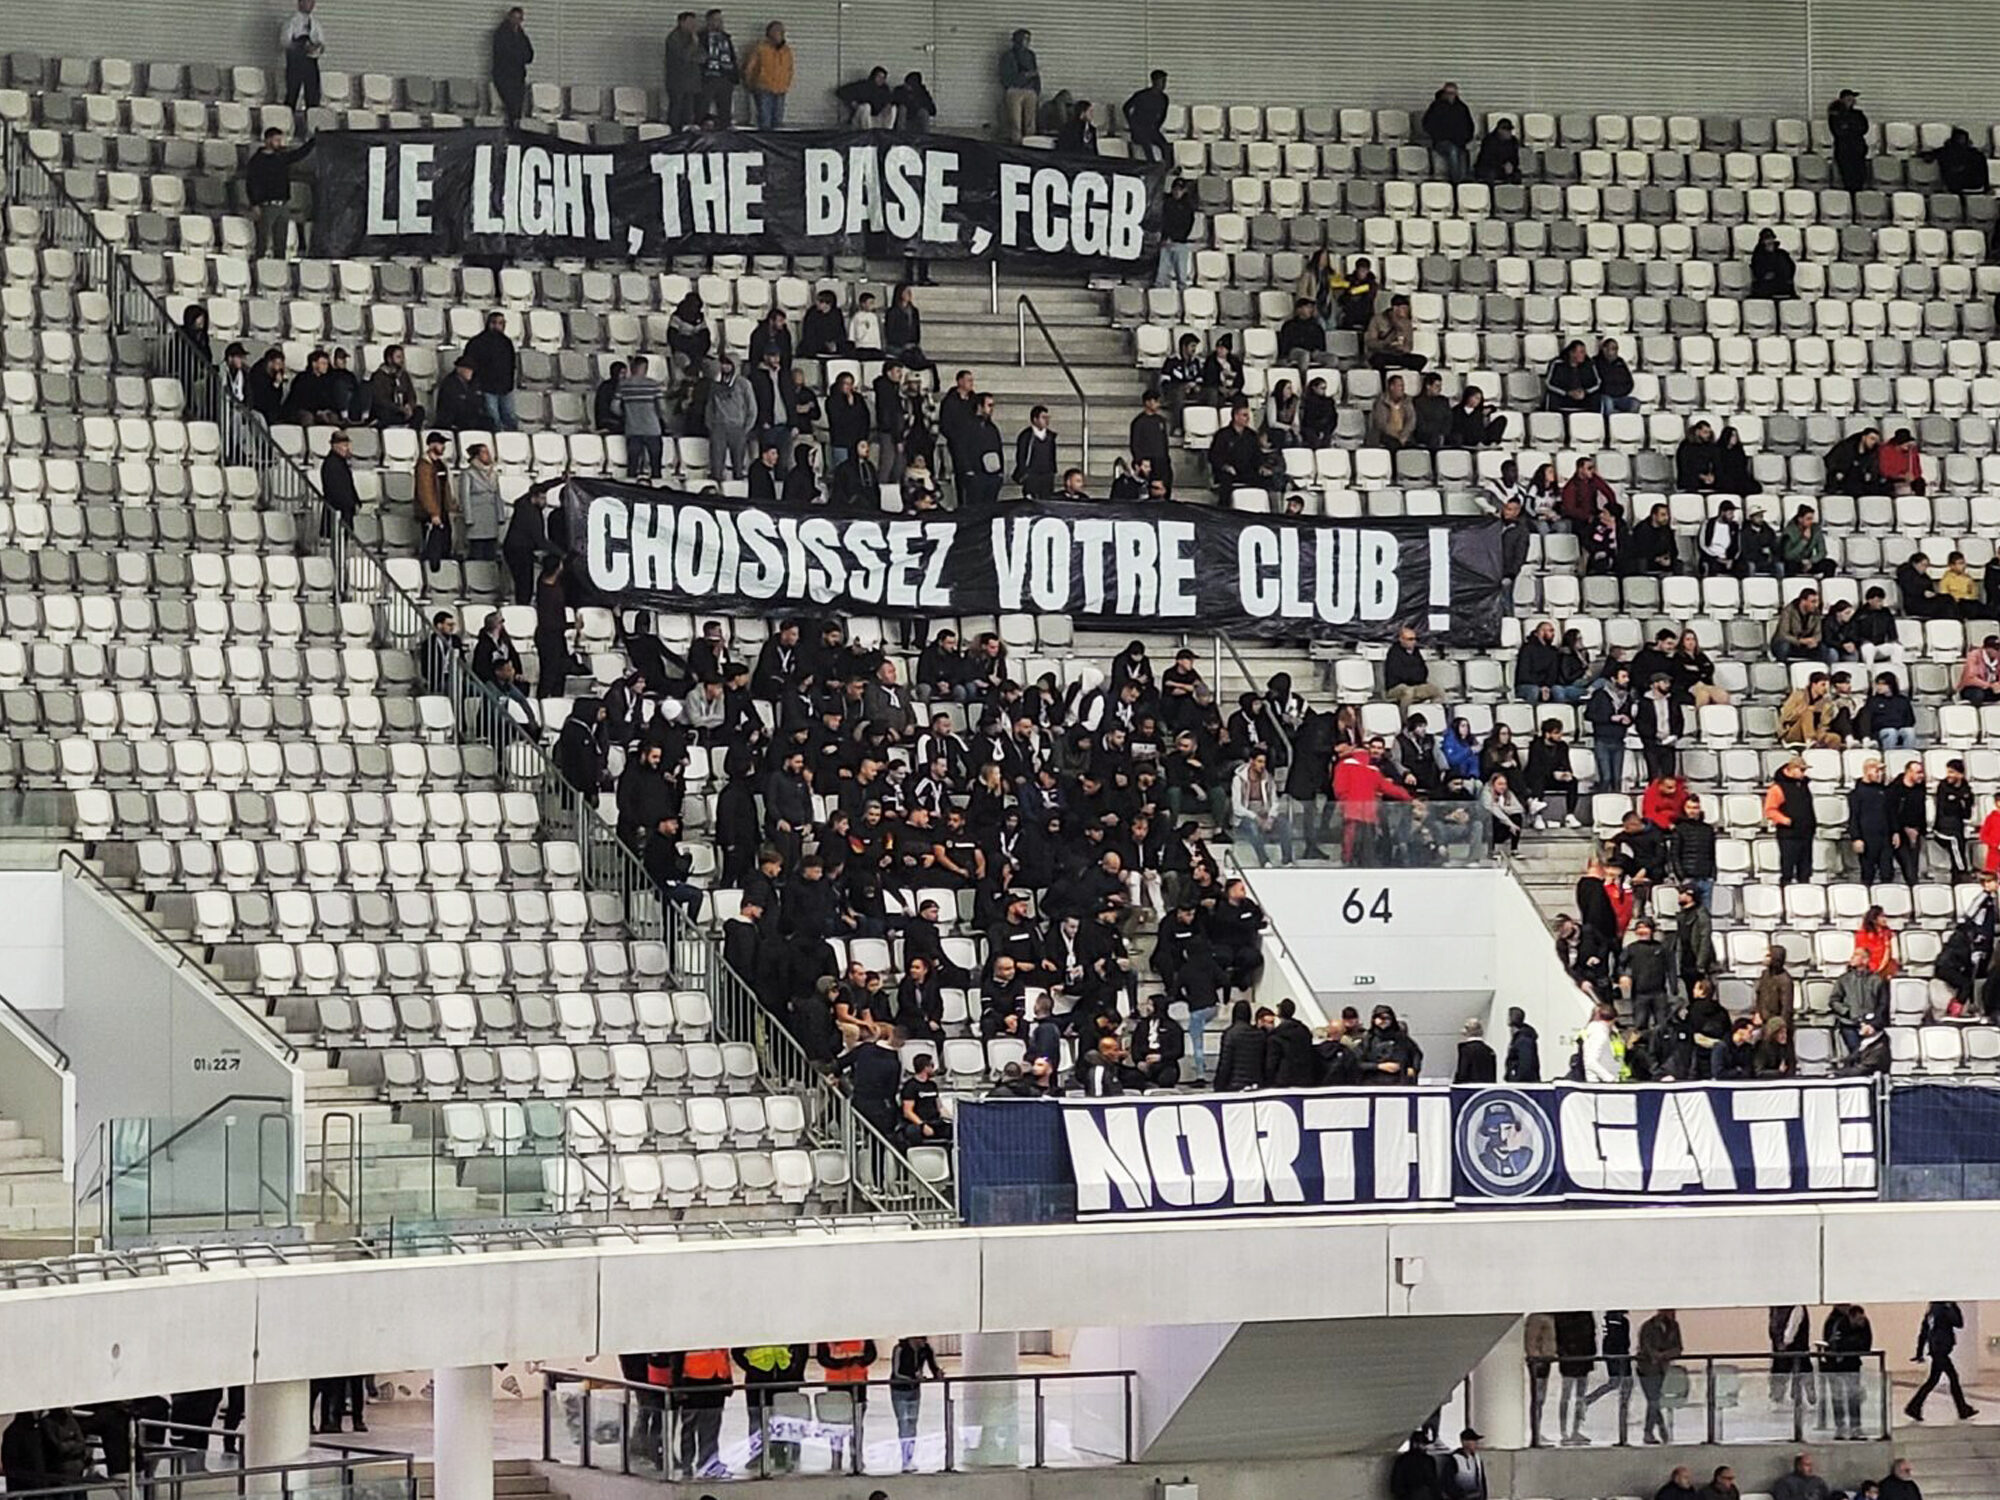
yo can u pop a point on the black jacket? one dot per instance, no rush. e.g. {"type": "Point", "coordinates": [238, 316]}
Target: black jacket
{"type": "Point", "coordinates": [1289, 1059]}
{"type": "Point", "coordinates": [491, 355]}
{"type": "Point", "coordinates": [1240, 1063]}
{"type": "Point", "coordinates": [1692, 849]}
{"type": "Point", "coordinates": [336, 485]}
{"type": "Point", "coordinates": [1524, 1055]}
{"type": "Point", "coordinates": [267, 175]}
{"type": "Point", "coordinates": [1448, 122]}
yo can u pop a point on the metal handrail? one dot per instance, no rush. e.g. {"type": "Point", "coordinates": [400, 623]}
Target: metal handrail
{"type": "Point", "coordinates": [184, 958]}
{"type": "Point", "coordinates": [1802, 1365]}
{"type": "Point", "coordinates": [60, 1057]}
{"type": "Point", "coordinates": [1224, 643]}
{"type": "Point", "coordinates": [1024, 309]}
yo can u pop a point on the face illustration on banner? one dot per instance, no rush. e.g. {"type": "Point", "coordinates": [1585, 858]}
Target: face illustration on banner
{"type": "Point", "coordinates": [1505, 1143]}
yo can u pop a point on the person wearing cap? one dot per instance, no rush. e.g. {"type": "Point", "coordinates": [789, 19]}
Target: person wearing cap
{"type": "Point", "coordinates": [1719, 547]}
{"type": "Point", "coordinates": [1462, 1474]}
{"type": "Point", "coordinates": [1848, 125]}
{"type": "Point", "coordinates": [460, 407]}
{"type": "Point", "coordinates": [435, 503]}
{"type": "Point", "coordinates": [1788, 808]}
{"type": "Point", "coordinates": [338, 496]}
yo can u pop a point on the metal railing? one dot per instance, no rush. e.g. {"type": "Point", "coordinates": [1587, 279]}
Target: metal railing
{"type": "Point", "coordinates": [1710, 1398]}
{"type": "Point", "coordinates": [1024, 309]}
{"type": "Point", "coordinates": [55, 1054]}
{"type": "Point", "coordinates": [481, 714]}
{"type": "Point", "coordinates": [1061, 1419]}
{"type": "Point", "coordinates": [184, 955]}
{"type": "Point", "coordinates": [116, 1179]}
{"type": "Point", "coordinates": [174, 1459]}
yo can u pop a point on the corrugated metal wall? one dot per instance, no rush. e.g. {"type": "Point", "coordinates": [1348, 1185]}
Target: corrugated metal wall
{"type": "Point", "coordinates": [1920, 59]}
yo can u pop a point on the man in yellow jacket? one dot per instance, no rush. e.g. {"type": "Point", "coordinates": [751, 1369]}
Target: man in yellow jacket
{"type": "Point", "coordinates": [768, 76]}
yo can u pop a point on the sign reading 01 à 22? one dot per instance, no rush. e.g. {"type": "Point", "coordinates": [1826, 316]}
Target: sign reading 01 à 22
{"type": "Point", "coordinates": [1358, 1150]}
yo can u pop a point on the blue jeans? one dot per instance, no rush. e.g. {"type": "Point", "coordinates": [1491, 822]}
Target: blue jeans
{"type": "Point", "coordinates": [1176, 265]}
{"type": "Point", "coordinates": [1197, 1038]}
{"type": "Point", "coordinates": [770, 110]}
{"type": "Point", "coordinates": [500, 411]}
{"type": "Point", "coordinates": [1606, 405]}
{"type": "Point", "coordinates": [1897, 739]}
{"type": "Point", "coordinates": [1783, 651]}
{"type": "Point", "coordinates": [1610, 757]}
{"type": "Point", "coordinates": [1450, 158]}
{"type": "Point", "coordinates": [1702, 889]}
{"type": "Point", "coordinates": [1569, 692]}
{"type": "Point", "coordinates": [1249, 833]}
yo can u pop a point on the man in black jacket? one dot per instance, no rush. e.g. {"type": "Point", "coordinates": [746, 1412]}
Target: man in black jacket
{"type": "Point", "coordinates": [490, 353]}
{"type": "Point", "coordinates": [1240, 1063]}
{"type": "Point", "coordinates": [1648, 974]}
{"type": "Point", "coordinates": [1476, 1062]}
{"type": "Point", "coordinates": [512, 52]}
{"type": "Point", "coordinates": [1691, 852]}
{"type": "Point", "coordinates": [1158, 1043]}
{"type": "Point", "coordinates": [460, 407]}
{"type": "Point", "coordinates": [1302, 336]}
{"type": "Point", "coordinates": [1145, 113]}
{"type": "Point", "coordinates": [1290, 1062]}
{"type": "Point", "coordinates": [1524, 1053]}
{"type": "Point", "coordinates": [336, 485]}
{"type": "Point", "coordinates": [1176, 267]}
{"type": "Point", "coordinates": [267, 183]}
{"type": "Point", "coordinates": [1235, 458]}
{"type": "Point", "coordinates": [1870, 826]}
{"type": "Point", "coordinates": [1448, 126]}
{"type": "Point", "coordinates": [1936, 1338]}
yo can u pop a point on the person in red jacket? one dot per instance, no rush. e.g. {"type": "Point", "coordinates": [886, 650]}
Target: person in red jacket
{"type": "Point", "coordinates": [1581, 494]}
{"type": "Point", "coordinates": [846, 1363]}
{"type": "Point", "coordinates": [1665, 800]}
{"type": "Point", "coordinates": [1359, 788]}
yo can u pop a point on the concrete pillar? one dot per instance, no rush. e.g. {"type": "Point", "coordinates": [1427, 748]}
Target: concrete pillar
{"type": "Point", "coordinates": [277, 1429]}
{"type": "Point", "coordinates": [1500, 1394]}
{"type": "Point", "coordinates": [992, 1415]}
{"type": "Point", "coordinates": [462, 1431]}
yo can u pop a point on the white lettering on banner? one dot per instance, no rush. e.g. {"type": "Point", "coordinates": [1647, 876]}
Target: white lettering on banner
{"type": "Point", "coordinates": [413, 187]}
{"type": "Point", "coordinates": [606, 543]}
{"type": "Point", "coordinates": [653, 547]}
{"type": "Point", "coordinates": [1768, 1111]}
{"type": "Point", "coordinates": [1351, 572]}
{"type": "Point", "coordinates": [1687, 1148]}
{"type": "Point", "coordinates": [823, 209]}
{"type": "Point", "coordinates": [1108, 1160]}
{"type": "Point", "coordinates": [1839, 1131]}
{"type": "Point", "coordinates": [714, 192]}
{"type": "Point", "coordinates": [1600, 1141]}
{"type": "Point", "coordinates": [1081, 212]}
{"type": "Point", "coordinates": [1125, 567]}
{"type": "Point", "coordinates": [1337, 1121]}
{"type": "Point", "coordinates": [1403, 1146]}
{"type": "Point", "coordinates": [906, 190]}
{"type": "Point", "coordinates": [484, 220]}
{"type": "Point", "coordinates": [1176, 544]}
{"type": "Point", "coordinates": [537, 191]}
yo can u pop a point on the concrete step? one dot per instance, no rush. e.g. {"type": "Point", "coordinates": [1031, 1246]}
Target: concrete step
{"type": "Point", "coordinates": [1041, 379]}
{"type": "Point", "coordinates": [41, 1190]}
{"type": "Point", "coordinates": [992, 341]}
{"type": "Point", "coordinates": [10, 1130]}
{"type": "Point", "coordinates": [29, 1162]}
{"type": "Point", "coordinates": [18, 1146]}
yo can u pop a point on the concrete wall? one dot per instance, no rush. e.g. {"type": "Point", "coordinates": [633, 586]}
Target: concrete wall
{"type": "Point", "coordinates": [130, 1339]}
{"type": "Point", "coordinates": [31, 941]}
{"type": "Point", "coordinates": [147, 1036]}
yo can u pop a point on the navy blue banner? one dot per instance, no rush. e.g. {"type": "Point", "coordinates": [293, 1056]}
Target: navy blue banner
{"type": "Point", "coordinates": [1369, 1150]}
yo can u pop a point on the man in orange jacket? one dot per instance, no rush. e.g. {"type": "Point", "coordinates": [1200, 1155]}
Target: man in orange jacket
{"type": "Point", "coordinates": [846, 1363]}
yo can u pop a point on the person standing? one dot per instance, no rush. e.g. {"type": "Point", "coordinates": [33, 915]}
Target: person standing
{"type": "Point", "coordinates": [640, 402]}
{"type": "Point", "coordinates": [702, 1381]}
{"type": "Point", "coordinates": [1035, 457]}
{"type": "Point", "coordinates": [1846, 1336]}
{"type": "Point", "coordinates": [1788, 807]}
{"type": "Point", "coordinates": [1462, 1475]}
{"type": "Point", "coordinates": [267, 183]}
{"type": "Point", "coordinates": [527, 536]}
{"type": "Point", "coordinates": [1524, 1052]}
{"type": "Point", "coordinates": [1849, 127]}
{"type": "Point", "coordinates": [1145, 115]}
{"type": "Point", "coordinates": [683, 71]}
{"type": "Point", "coordinates": [731, 415]}
{"type": "Point", "coordinates": [718, 72]}
{"type": "Point", "coordinates": [303, 42]}
{"type": "Point", "coordinates": [767, 74]}
{"type": "Point", "coordinates": [479, 501]}
{"type": "Point", "coordinates": [512, 52]}
{"type": "Point", "coordinates": [909, 1364]}
{"type": "Point", "coordinates": [1936, 1338]}
{"type": "Point", "coordinates": [846, 1363]}
{"type": "Point", "coordinates": [339, 499]}
{"type": "Point", "coordinates": [984, 447]}
{"type": "Point", "coordinates": [1020, 87]}
{"type": "Point", "coordinates": [434, 502]}
{"type": "Point", "coordinates": [494, 361]}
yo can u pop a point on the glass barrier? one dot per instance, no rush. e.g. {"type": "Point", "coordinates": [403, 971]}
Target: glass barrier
{"type": "Point", "coordinates": [1428, 833]}
{"type": "Point", "coordinates": [954, 1425]}
{"type": "Point", "coordinates": [229, 1168]}
{"type": "Point", "coordinates": [1709, 1398]}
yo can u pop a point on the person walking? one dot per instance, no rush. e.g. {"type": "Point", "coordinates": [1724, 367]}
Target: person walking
{"type": "Point", "coordinates": [1937, 1336]}
{"type": "Point", "coordinates": [910, 1363]}
{"type": "Point", "coordinates": [1659, 1347]}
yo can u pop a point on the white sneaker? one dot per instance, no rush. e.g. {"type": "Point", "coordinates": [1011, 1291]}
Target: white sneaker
{"type": "Point", "coordinates": [1570, 821]}
{"type": "Point", "coordinates": [1541, 823]}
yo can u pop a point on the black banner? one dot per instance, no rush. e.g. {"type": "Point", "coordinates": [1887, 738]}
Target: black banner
{"type": "Point", "coordinates": [1136, 567]}
{"type": "Point", "coordinates": [730, 192]}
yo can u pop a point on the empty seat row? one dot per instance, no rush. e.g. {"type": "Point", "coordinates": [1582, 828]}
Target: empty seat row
{"type": "Point", "coordinates": [358, 867]}
{"type": "Point", "coordinates": [461, 1019]}
{"type": "Point", "coordinates": [318, 968]}
{"type": "Point", "coordinates": [554, 1070]}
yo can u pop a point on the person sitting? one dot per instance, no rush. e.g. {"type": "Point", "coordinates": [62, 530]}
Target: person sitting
{"type": "Point", "coordinates": [1698, 460]}
{"type": "Point", "coordinates": [1958, 590]}
{"type": "Point", "coordinates": [1900, 465]}
{"type": "Point", "coordinates": [1392, 423]}
{"type": "Point", "coordinates": [1802, 546]}
{"type": "Point", "coordinates": [1354, 296]}
{"type": "Point", "coordinates": [1388, 338]}
{"type": "Point", "coordinates": [1302, 335]}
{"type": "Point", "coordinates": [1235, 456]}
{"type": "Point", "coordinates": [1649, 548]}
{"type": "Point", "coordinates": [1961, 164]}
{"type": "Point", "coordinates": [1719, 550]}
{"type": "Point", "coordinates": [1732, 473]}
{"type": "Point", "coordinates": [1572, 382]}
{"type": "Point", "coordinates": [824, 332]}
{"type": "Point", "coordinates": [1433, 409]}
{"type": "Point", "coordinates": [1979, 678]}
{"type": "Point", "coordinates": [1474, 424]}
{"type": "Point", "coordinates": [1800, 631]}
{"type": "Point", "coordinates": [1854, 465]}
{"type": "Point", "coordinates": [1615, 383]}
{"type": "Point", "coordinates": [1499, 155]}
{"type": "Point", "coordinates": [869, 100]}
{"type": "Point", "coordinates": [1773, 272]}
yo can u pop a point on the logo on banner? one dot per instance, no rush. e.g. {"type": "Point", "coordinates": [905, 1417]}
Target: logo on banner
{"type": "Point", "coordinates": [1506, 1144]}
